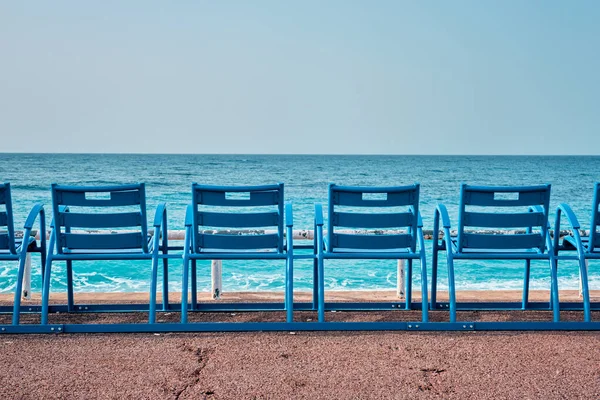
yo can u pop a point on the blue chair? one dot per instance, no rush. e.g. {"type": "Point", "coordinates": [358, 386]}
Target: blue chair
{"type": "Point", "coordinates": [215, 210]}
{"type": "Point", "coordinates": [104, 208]}
{"type": "Point", "coordinates": [398, 235]}
{"type": "Point", "coordinates": [586, 246]}
{"type": "Point", "coordinates": [14, 249]}
{"type": "Point", "coordinates": [485, 233]}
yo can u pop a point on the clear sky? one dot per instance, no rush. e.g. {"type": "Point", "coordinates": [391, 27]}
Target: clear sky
{"type": "Point", "coordinates": [358, 77]}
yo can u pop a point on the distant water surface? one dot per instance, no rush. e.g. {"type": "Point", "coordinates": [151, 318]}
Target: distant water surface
{"type": "Point", "coordinates": [168, 179]}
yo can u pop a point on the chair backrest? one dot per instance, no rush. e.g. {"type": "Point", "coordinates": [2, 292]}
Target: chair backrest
{"type": "Point", "coordinates": [594, 244]}
{"type": "Point", "coordinates": [481, 224]}
{"type": "Point", "coordinates": [219, 208]}
{"type": "Point", "coordinates": [392, 211]}
{"type": "Point", "coordinates": [100, 208]}
{"type": "Point", "coordinates": [7, 227]}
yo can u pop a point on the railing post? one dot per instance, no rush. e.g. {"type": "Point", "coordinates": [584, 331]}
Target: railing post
{"type": "Point", "coordinates": [27, 277]}
{"type": "Point", "coordinates": [581, 281]}
{"type": "Point", "coordinates": [216, 278]}
{"type": "Point", "coordinates": [401, 279]}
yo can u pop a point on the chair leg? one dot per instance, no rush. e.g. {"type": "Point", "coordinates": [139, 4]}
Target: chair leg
{"type": "Point", "coordinates": [289, 294]}
{"type": "Point", "coordinates": [70, 301]}
{"type": "Point", "coordinates": [46, 291]}
{"type": "Point", "coordinates": [165, 286]}
{"type": "Point", "coordinates": [17, 300]}
{"type": "Point", "coordinates": [194, 305]}
{"type": "Point", "coordinates": [587, 314]}
{"type": "Point", "coordinates": [451, 289]}
{"type": "Point", "coordinates": [184, 291]}
{"type": "Point", "coordinates": [554, 290]}
{"type": "Point", "coordinates": [315, 305]}
{"type": "Point", "coordinates": [153, 285]}
{"type": "Point", "coordinates": [424, 302]}
{"type": "Point", "coordinates": [321, 297]}
{"type": "Point", "coordinates": [525, 300]}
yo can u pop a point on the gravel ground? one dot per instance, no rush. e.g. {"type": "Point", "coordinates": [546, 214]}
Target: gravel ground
{"type": "Point", "coordinates": [353, 365]}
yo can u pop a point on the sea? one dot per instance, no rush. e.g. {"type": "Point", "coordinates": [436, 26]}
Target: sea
{"type": "Point", "coordinates": [168, 179]}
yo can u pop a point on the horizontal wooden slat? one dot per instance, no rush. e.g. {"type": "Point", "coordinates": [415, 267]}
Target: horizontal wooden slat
{"type": "Point", "coordinates": [3, 218]}
{"type": "Point", "coordinates": [371, 242]}
{"type": "Point", "coordinates": [4, 241]}
{"type": "Point", "coordinates": [216, 198]}
{"type": "Point", "coordinates": [356, 199]}
{"type": "Point", "coordinates": [117, 198]}
{"type": "Point", "coordinates": [237, 242]}
{"type": "Point", "coordinates": [503, 220]}
{"type": "Point", "coordinates": [475, 198]}
{"type": "Point", "coordinates": [501, 241]}
{"type": "Point", "coordinates": [102, 241]}
{"type": "Point", "coordinates": [238, 220]}
{"type": "Point", "coordinates": [380, 220]}
{"type": "Point", "coordinates": [98, 220]}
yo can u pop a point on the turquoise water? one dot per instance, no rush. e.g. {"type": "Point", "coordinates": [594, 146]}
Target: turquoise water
{"type": "Point", "coordinates": [168, 179]}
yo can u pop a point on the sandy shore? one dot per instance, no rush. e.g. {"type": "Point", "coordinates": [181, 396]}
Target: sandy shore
{"type": "Point", "coordinates": [341, 295]}
{"type": "Point", "coordinates": [308, 365]}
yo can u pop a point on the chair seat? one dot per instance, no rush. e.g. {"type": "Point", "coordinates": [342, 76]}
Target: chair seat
{"type": "Point", "coordinates": [369, 251]}
{"type": "Point", "coordinates": [512, 252]}
{"type": "Point", "coordinates": [18, 243]}
{"type": "Point", "coordinates": [569, 244]}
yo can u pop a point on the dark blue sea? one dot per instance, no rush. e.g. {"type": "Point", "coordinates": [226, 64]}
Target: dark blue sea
{"type": "Point", "coordinates": [168, 179]}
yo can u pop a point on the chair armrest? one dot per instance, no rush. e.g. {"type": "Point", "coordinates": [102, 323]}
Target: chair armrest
{"type": "Point", "coordinates": [318, 214]}
{"type": "Point", "coordinates": [565, 209]}
{"type": "Point", "coordinates": [37, 209]}
{"type": "Point", "coordinates": [189, 215]}
{"type": "Point", "coordinates": [161, 212]}
{"type": "Point", "coordinates": [571, 217]}
{"type": "Point", "coordinates": [289, 215]}
{"type": "Point", "coordinates": [443, 212]}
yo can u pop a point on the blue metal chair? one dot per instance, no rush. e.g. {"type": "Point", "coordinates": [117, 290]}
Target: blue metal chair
{"type": "Point", "coordinates": [586, 246]}
{"type": "Point", "coordinates": [102, 208]}
{"type": "Point", "coordinates": [398, 235]}
{"type": "Point", "coordinates": [484, 233]}
{"type": "Point", "coordinates": [214, 210]}
{"type": "Point", "coordinates": [14, 249]}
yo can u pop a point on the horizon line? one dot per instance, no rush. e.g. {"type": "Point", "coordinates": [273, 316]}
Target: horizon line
{"type": "Point", "coordinates": [299, 154]}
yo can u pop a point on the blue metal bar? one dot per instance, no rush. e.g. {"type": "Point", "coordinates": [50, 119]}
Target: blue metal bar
{"type": "Point", "coordinates": [581, 254]}
{"type": "Point", "coordinates": [289, 271]}
{"type": "Point", "coordinates": [184, 280]}
{"type": "Point", "coordinates": [300, 326]}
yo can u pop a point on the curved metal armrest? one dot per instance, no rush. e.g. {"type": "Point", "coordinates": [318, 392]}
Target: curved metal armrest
{"type": "Point", "coordinates": [160, 214]}
{"type": "Point", "coordinates": [571, 217]}
{"type": "Point", "coordinates": [443, 213]}
{"type": "Point", "coordinates": [189, 215]}
{"type": "Point", "coordinates": [318, 214]}
{"type": "Point", "coordinates": [289, 216]}
{"type": "Point", "coordinates": [565, 209]}
{"type": "Point", "coordinates": [37, 209]}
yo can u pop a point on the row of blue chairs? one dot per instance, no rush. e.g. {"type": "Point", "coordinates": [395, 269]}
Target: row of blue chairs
{"type": "Point", "coordinates": [509, 223]}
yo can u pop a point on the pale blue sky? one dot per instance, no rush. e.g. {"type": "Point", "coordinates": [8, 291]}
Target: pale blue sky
{"type": "Point", "coordinates": [382, 77]}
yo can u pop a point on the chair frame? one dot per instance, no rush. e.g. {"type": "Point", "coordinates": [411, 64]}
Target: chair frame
{"type": "Point", "coordinates": [584, 246]}
{"type": "Point", "coordinates": [324, 248]}
{"type": "Point", "coordinates": [453, 246]}
{"type": "Point", "coordinates": [17, 251]}
{"type": "Point", "coordinates": [283, 250]}
{"type": "Point", "coordinates": [77, 197]}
